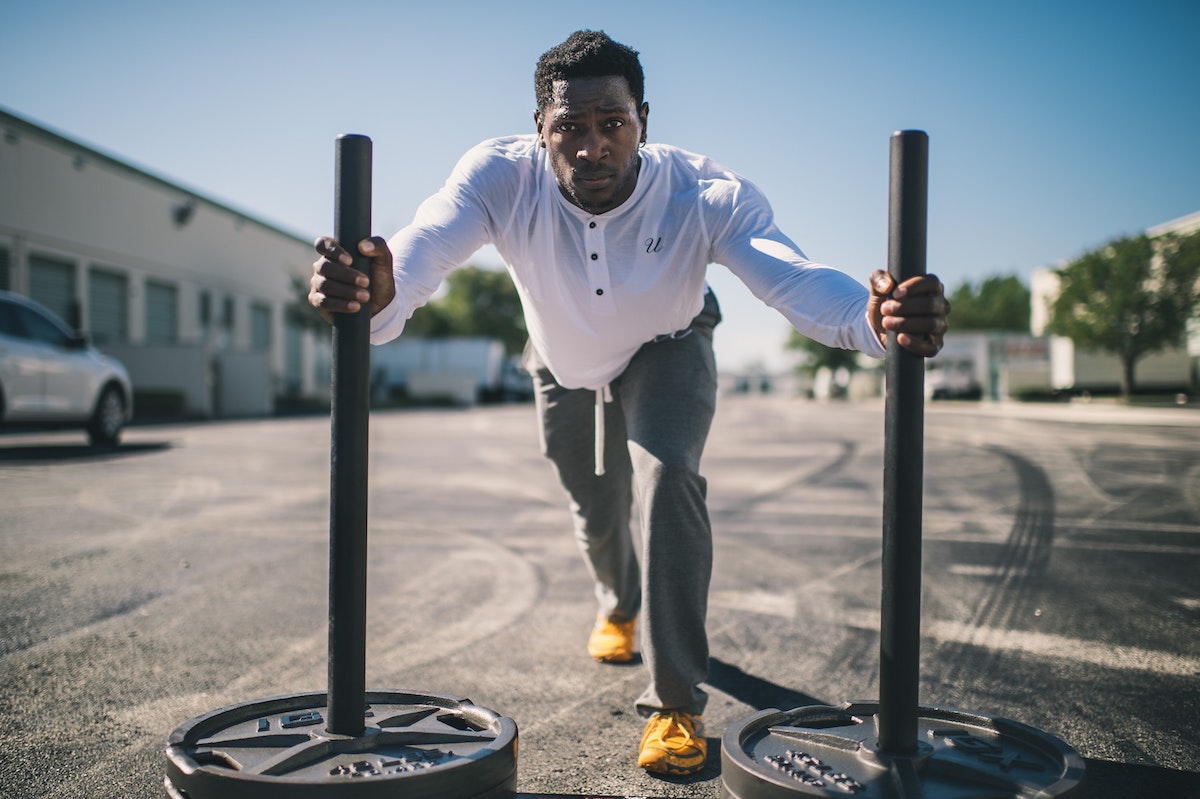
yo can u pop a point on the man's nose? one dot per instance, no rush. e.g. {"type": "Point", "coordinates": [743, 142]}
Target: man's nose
{"type": "Point", "coordinates": [592, 148]}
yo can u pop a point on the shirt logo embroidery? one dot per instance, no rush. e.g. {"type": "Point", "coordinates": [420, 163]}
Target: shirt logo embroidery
{"type": "Point", "coordinates": [654, 245]}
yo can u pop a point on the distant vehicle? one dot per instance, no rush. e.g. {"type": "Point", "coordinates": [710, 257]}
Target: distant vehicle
{"type": "Point", "coordinates": [51, 377]}
{"type": "Point", "coordinates": [951, 380]}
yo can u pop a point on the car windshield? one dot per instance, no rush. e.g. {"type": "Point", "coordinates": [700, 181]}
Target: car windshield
{"type": "Point", "coordinates": [27, 323]}
{"type": "Point", "coordinates": [9, 324]}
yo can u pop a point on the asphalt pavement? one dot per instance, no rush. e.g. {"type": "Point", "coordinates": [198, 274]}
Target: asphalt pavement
{"type": "Point", "coordinates": [187, 571]}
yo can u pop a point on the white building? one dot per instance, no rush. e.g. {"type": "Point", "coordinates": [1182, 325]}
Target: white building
{"type": "Point", "coordinates": [1072, 369]}
{"type": "Point", "coordinates": [191, 294]}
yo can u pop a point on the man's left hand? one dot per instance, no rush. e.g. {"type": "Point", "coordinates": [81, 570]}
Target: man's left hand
{"type": "Point", "coordinates": [915, 310]}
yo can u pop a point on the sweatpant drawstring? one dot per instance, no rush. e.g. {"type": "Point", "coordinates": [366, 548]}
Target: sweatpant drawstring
{"type": "Point", "coordinates": [603, 395]}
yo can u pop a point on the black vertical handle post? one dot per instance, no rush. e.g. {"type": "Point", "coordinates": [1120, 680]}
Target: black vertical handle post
{"type": "Point", "coordinates": [900, 631]}
{"type": "Point", "coordinates": [348, 454]}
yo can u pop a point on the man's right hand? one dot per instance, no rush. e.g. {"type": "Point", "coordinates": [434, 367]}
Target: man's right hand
{"type": "Point", "coordinates": [337, 287]}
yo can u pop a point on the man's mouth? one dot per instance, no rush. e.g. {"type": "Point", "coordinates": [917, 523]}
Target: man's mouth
{"type": "Point", "coordinates": [592, 180]}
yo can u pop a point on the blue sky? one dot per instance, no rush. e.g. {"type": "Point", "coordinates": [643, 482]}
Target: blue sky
{"type": "Point", "coordinates": [1054, 125]}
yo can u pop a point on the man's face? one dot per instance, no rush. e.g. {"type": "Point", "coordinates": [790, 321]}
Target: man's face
{"type": "Point", "coordinates": [591, 131]}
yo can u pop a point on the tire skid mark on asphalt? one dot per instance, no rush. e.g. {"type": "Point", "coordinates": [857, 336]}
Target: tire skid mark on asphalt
{"type": "Point", "coordinates": [1117, 657]}
{"type": "Point", "coordinates": [472, 557]}
{"type": "Point", "coordinates": [628, 683]}
{"type": "Point", "coordinates": [785, 603]}
{"type": "Point", "coordinates": [1137, 480]}
{"type": "Point", "coordinates": [100, 614]}
{"type": "Point", "coordinates": [822, 472]}
{"type": "Point", "coordinates": [397, 609]}
{"type": "Point", "coordinates": [293, 667]}
{"type": "Point", "coordinates": [1057, 458]}
{"type": "Point", "coordinates": [813, 529]}
{"type": "Point", "coordinates": [1023, 563]}
{"type": "Point", "coordinates": [1123, 525]}
{"type": "Point", "coordinates": [112, 548]}
{"type": "Point", "coordinates": [767, 603]}
{"type": "Point", "coordinates": [816, 519]}
{"type": "Point", "coordinates": [505, 475]}
{"type": "Point", "coordinates": [189, 501]}
{"type": "Point", "coordinates": [513, 595]}
{"type": "Point", "coordinates": [960, 488]}
{"type": "Point", "coordinates": [1116, 546]}
{"type": "Point", "coordinates": [1191, 488]}
{"type": "Point", "coordinates": [170, 604]}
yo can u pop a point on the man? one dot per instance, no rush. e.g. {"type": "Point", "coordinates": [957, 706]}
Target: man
{"type": "Point", "coordinates": [608, 240]}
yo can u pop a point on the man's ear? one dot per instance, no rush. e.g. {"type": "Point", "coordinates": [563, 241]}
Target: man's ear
{"type": "Point", "coordinates": [644, 115]}
{"type": "Point", "coordinates": [537, 122]}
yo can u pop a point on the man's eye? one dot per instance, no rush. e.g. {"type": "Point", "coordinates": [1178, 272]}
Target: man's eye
{"type": "Point", "coordinates": [565, 127]}
{"type": "Point", "coordinates": [615, 123]}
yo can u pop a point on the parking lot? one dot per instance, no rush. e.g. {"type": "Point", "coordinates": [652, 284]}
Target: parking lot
{"type": "Point", "coordinates": [186, 571]}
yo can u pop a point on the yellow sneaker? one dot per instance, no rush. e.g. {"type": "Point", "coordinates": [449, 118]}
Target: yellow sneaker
{"type": "Point", "coordinates": [611, 641]}
{"type": "Point", "coordinates": [673, 743]}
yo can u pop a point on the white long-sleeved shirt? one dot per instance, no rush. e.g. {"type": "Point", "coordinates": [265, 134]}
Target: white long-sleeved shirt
{"type": "Point", "coordinates": [595, 288]}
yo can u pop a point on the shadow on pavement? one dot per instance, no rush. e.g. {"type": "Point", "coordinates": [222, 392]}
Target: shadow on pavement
{"type": "Point", "coordinates": [1105, 780]}
{"type": "Point", "coordinates": [75, 453]}
{"type": "Point", "coordinates": [760, 694]}
{"type": "Point", "coordinates": [1108, 780]}
{"type": "Point", "coordinates": [754, 691]}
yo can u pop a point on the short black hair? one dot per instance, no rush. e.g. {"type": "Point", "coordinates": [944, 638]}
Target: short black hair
{"type": "Point", "coordinates": [588, 54]}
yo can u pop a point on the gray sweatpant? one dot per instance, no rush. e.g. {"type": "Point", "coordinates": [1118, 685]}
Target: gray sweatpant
{"type": "Point", "coordinates": [655, 429]}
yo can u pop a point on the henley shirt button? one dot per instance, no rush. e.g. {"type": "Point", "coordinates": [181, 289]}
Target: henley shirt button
{"type": "Point", "coordinates": [599, 292]}
{"type": "Point", "coordinates": [595, 257]}
{"type": "Point", "coordinates": [591, 224]}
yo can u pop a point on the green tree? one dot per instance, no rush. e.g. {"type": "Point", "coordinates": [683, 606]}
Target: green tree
{"type": "Point", "coordinates": [1000, 302]}
{"type": "Point", "coordinates": [477, 302]}
{"type": "Point", "coordinates": [429, 321]}
{"type": "Point", "coordinates": [1130, 298]}
{"type": "Point", "coordinates": [818, 355]}
{"type": "Point", "coordinates": [298, 312]}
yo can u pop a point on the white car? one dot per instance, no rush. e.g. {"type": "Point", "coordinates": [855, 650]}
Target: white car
{"type": "Point", "coordinates": [951, 380]}
{"type": "Point", "coordinates": [51, 377]}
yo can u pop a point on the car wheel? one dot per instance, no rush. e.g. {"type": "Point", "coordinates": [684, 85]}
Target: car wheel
{"type": "Point", "coordinates": [104, 429]}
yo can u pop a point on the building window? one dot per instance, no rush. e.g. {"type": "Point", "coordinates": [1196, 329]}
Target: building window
{"type": "Point", "coordinates": [162, 313]}
{"type": "Point", "coordinates": [260, 326]}
{"type": "Point", "coordinates": [293, 358]}
{"type": "Point", "coordinates": [108, 306]}
{"type": "Point", "coordinates": [204, 311]}
{"type": "Point", "coordinates": [52, 283]}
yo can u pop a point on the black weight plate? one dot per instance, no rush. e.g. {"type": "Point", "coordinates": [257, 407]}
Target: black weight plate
{"type": "Point", "coordinates": [833, 751]}
{"type": "Point", "coordinates": [416, 745]}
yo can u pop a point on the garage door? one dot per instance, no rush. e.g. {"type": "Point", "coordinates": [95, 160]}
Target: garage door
{"type": "Point", "coordinates": [108, 306]}
{"type": "Point", "coordinates": [52, 283]}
